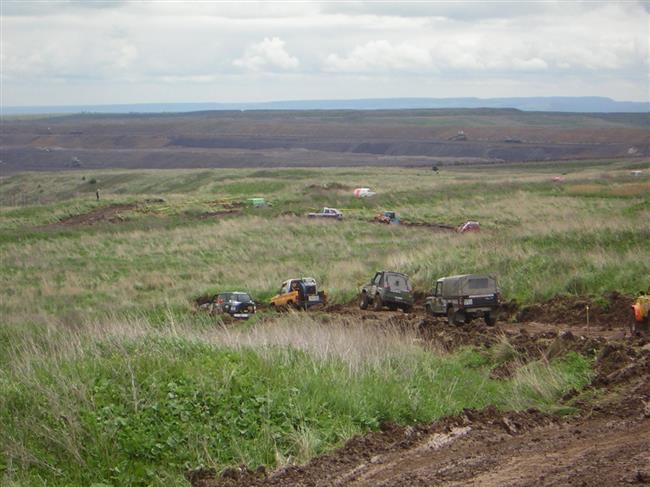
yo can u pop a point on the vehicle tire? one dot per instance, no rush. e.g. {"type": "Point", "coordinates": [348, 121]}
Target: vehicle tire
{"type": "Point", "coordinates": [407, 309]}
{"type": "Point", "coordinates": [363, 303]}
{"type": "Point", "coordinates": [451, 316]}
{"type": "Point", "coordinates": [490, 319]}
{"type": "Point", "coordinates": [392, 307]}
{"type": "Point", "coordinates": [377, 304]}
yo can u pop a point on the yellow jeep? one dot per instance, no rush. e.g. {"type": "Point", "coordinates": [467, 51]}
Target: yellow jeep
{"type": "Point", "coordinates": [300, 293]}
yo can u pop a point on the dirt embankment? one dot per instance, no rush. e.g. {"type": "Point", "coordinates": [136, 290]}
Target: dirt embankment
{"type": "Point", "coordinates": [609, 310]}
{"type": "Point", "coordinates": [607, 443]}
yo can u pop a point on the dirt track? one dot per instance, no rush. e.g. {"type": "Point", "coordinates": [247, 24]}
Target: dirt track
{"type": "Point", "coordinates": [607, 443]}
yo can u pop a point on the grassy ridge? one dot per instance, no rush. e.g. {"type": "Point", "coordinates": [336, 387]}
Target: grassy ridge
{"type": "Point", "coordinates": [142, 410]}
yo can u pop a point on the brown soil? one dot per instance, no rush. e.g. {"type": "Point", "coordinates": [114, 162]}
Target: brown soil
{"type": "Point", "coordinates": [608, 443]}
{"type": "Point", "coordinates": [111, 214]}
{"type": "Point", "coordinates": [316, 139]}
{"type": "Point", "coordinates": [613, 309]}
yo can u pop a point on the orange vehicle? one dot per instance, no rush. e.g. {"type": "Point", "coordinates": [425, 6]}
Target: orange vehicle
{"type": "Point", "coordinates": [299, 293]}
{"type": "Point", "coordinates": [641, 310]}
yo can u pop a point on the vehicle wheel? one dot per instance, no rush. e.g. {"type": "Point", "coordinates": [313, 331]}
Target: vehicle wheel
{"type": "Point", "coordinates": [392, 307]}
{"type": "Point", "coordinates": [377, 304]}
{"type": "Point", "coordinates": [451, 316]}
{"type": "Point", "coordinates": [490, 319]}
{"type": "Point", "coordinates": [363, 303]}
{"type": "Point", "coordinates": [407, 309]}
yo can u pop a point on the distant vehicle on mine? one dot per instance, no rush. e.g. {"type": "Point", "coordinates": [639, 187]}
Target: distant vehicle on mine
{"type": "Point", "coordinates": [327, 213]}
{"type": "Point", "coordinates": [257, 202]}
{"type": "Point", "coordinates": [386, 288]}
{"type": "Point", "coordinates": [388, 217]}
{"type": "Point", "coordinates": [298, 293]}
{"type": "Point", "coordinates": [469, 227]}
{"type": "Point", "coordinates": [363, 193]}
{"type": "Point", "coordinates": [464, 298]}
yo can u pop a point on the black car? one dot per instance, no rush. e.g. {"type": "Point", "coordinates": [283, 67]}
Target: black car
{"type": "Point", "coordinates": [392, 289]}
{"type": "Point", "coordinates": [236, 304]}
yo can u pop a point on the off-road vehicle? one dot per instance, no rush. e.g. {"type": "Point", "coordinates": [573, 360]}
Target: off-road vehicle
{"type": "Point", "coordinates": [392, 289]}
{"type": "Point", "coordinates": [464, 298]}
{"type": "Point", "coordinates": [300, 293]}
{"type": "Point", "coordinates": [388, 217]}
{"type": "Point", "coordinates": [236, 304]}
{"type": "Point", "coordinates": [327, 213]}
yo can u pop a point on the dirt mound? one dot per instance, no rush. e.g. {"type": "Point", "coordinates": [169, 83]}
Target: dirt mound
{"type": "Point", "coordinates": [611, 311]}
{"type": "Point", "coordinates": [111, 214]}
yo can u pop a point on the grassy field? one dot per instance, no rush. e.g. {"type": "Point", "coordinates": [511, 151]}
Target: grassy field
{"type": "Point", "coordinates": [108, 375]}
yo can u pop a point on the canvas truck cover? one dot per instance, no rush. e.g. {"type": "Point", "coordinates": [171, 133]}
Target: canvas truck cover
{"type": "Point", "coordinates": [470, 284]}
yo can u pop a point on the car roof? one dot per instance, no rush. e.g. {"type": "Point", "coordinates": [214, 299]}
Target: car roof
{"type": "Point", "coordinates": [462, 276]}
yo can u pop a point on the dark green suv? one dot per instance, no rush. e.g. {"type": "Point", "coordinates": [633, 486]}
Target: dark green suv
{"type": "Point", "coordinates": [464, 298]}
{"type": "Point", "coordinates": [391, 289]}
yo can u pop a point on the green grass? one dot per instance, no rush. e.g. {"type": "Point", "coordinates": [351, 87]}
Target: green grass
{"type": "Point", "coordinates": [141, 411]}
{"type": "Point", "coordinates": [108, 374]}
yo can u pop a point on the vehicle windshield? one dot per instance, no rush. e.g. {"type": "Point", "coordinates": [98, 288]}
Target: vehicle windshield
{"type": "Point", "coordinates": [398, 282]}
{"type": "Point", "coordinates": [241, 297]}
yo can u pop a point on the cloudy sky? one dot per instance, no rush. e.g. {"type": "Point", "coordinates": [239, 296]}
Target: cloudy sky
{"type": "Point", "coordinates": [105, 52]}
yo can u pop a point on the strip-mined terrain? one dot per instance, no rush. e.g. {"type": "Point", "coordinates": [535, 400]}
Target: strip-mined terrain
{"type": "Point", "coordinates": [317, 138]}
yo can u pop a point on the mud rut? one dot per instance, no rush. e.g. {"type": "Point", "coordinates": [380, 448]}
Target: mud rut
{"type": "Point", "coordinates": [606, 443]}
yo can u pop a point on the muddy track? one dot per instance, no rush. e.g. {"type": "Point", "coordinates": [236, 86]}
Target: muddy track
{"type": "Point", "coordinates": [607, 443]}
{"type": "Point", "coordinates": [104, 214]}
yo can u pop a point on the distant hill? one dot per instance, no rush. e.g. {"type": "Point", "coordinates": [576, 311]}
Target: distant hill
{"type": "Point", "coordinates": [585, 104]}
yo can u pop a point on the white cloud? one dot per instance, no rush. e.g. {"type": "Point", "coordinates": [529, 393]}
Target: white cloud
{"type": "Point", "coordinates": [116, 50]}
{"type": "Point", "coordinates": [270, 54]}
{"type": "Point", "coordinates": [380, 55]}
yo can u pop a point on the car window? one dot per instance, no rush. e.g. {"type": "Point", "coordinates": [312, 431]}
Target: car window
{"type": "Point", "coordinates": [479, 283]}
{"type": "Point", "coordinates": [377, 279]}
{"type": "Point", "coordinates": [241, 297]}
{"type": "Point", "coordinates": [438, 291]}
{"type": "Point", "coordinates": [398, 282]}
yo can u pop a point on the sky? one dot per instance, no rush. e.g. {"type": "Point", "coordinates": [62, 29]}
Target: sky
{"type": "Point", "coordinates": [110, 52]}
